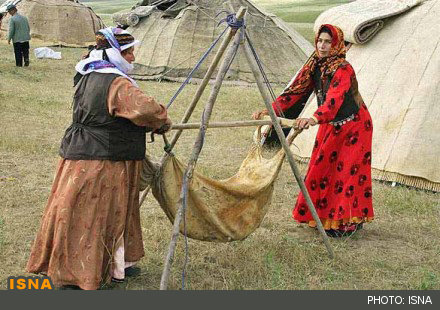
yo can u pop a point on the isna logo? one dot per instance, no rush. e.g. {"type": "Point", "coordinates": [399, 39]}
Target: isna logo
{"type": "Point", "coordinates": [30, 283]}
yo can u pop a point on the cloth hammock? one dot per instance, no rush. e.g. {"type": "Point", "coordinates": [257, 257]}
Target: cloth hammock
{"type": "Point", "coordinates": [217, 210]}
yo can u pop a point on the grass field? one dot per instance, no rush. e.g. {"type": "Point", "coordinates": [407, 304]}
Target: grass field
{"type": "Point", "coordinates": [399, 250]}
{"type": "Point", "coordinates": [106, 8]}
{"type": "Point", "coordinates": [299, 14]}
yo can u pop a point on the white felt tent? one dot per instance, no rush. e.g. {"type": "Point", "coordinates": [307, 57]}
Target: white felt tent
{"type": "Point", "coordinates": [399, 79]}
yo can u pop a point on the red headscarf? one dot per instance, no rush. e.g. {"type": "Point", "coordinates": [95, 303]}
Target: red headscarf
{"type": "Point", "coordinates": [327, 65]}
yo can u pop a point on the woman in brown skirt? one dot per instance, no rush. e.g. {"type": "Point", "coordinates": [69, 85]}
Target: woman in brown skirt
{"type": "Point", "coordinates": [91, 231]}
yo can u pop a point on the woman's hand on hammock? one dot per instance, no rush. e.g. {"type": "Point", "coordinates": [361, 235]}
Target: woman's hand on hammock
{"type": "Point", "coordinates": [305, 123]}
{"type": "Point", "coordinates": [259, 114]}
{"type": "Point", "coordinates": [164, 128]}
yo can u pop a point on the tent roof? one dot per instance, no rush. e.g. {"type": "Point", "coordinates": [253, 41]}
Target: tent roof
{"type": "Point", "coordinates": [398, 74]}
{"type": "Point", "coordinates": [64, 22]}
{"type": "Point", "coordinates": [171, 47]}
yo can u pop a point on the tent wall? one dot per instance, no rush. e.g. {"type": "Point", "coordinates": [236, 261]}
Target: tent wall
{"type": "Point", "coordinates": [399, 79]}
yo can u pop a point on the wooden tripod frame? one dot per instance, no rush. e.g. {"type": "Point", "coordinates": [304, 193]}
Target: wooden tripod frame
{"type": "Point", "coordinates": [232, 35]}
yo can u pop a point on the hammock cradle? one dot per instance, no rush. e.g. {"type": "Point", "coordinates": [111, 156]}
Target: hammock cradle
{"type": "Point", "coordinates": [217, 210]}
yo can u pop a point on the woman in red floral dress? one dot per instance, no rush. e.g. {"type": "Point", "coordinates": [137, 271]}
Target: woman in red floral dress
{"type": "Point", "coordinates": [339, 173]}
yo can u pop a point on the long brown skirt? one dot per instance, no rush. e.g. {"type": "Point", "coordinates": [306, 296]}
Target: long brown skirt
{"type": "Point", "coordinates": [92, 211]}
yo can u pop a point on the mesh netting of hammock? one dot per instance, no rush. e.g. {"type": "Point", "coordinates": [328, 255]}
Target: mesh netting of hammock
{"type": "Point", "coordinates": [217, 210]}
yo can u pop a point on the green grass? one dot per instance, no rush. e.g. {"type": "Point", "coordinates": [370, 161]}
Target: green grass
{"type": "Point", "coordinates": [299, 14]}
{"type": "Point", "coordinates": [106, 8]}
{"type": "Point", "coordinates": [398, 250]}
{"type": "Point", "coordinates": [110, 7]}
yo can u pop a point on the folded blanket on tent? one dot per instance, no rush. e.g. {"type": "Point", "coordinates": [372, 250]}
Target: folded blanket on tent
{"type": "Point", "coordinates": [133, 17]}
{"type": "Point", "coordinates": [170, 8]}
{"type": "Point", "coordinates": [361, 20]}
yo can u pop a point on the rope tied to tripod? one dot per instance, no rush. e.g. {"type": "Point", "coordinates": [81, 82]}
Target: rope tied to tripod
{"type": "Point", "coordinates": [231, 20]}
{"type": "Point", "coordinates": [233, 23]}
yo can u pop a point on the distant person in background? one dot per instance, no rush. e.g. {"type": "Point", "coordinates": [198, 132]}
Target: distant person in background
{"type": "Point", "coordinates": [19, 33]}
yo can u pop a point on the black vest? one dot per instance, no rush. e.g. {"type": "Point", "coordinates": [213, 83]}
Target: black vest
{"type": "Point", "coordinates": [349, 107]}
{"type": "Point", "coordinates": [94, 133]}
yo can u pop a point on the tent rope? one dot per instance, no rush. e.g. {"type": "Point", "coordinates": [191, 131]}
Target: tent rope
{"type": "Point", "coordinates": [232, 22]}
{"type": "Point", "coordinates": [198, 64]}
{"type": "Point", "coordinates": [263, 73]}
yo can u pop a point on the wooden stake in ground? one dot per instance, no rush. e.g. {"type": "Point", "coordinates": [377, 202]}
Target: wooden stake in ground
{"type": "Point", "coordinates": [197, 149]}
{"type": "Point", "coordinates": [268, 102]}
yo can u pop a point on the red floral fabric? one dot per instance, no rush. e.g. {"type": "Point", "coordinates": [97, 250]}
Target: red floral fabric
{"type": "Point", "coordinates": [339, 173]}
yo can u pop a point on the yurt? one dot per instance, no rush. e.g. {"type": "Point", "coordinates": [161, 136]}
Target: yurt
{"type": "Point", "coordinates": [175, 34]}
{"type": "Point", "coordinates": [399, 79]}
{"type": "Point", "coordinates": [59, 22]}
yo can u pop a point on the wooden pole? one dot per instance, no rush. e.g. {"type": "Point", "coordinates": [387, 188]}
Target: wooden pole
{"type": "Point", "coordinates": [196, 152]}
{"type": "Point", "coordinates": [283, 121]}
{"type": "Point", "coordinates": [268, 102]}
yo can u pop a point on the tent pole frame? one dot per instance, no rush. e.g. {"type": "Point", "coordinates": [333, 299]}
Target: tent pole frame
{"type": "Point", "coordinates": [199, 141]}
